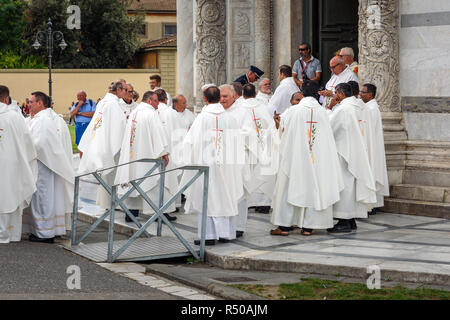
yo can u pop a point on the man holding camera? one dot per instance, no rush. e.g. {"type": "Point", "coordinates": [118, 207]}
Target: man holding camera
{"type": "Point", "coordinates": [306, 67]}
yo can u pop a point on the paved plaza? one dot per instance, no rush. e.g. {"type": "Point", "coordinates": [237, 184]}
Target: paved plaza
{"type": "Point", "coordinates": [406, 248]}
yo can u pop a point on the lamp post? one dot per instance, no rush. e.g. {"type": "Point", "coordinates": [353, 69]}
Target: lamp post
{"type": "Point", "coordinates": [49, 37]}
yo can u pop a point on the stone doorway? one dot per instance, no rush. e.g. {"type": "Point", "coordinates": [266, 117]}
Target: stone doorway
{"type": "Point", "coordinates": [329, 25]}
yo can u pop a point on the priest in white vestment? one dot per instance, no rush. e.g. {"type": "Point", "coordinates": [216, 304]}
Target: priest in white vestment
{"type": "Point", "coordinates": [102, 140]}
{"type": "Point", "coordinates": [341, 74]}
{"type": "Point", "coordinates": [167, 116]}
{"type": "Point", "coordinates": [127, 103]}
{"type": "Point", "coordinates": [182, 122]}
{"type": "Point", "coordinates": [144, 138]}
{"type": "Point", "coordinates": [309, 179]}
{"type": "Point", "coordinates": [210, 142]}
{"type": "Point", "coordinates": [66, 142]}
{"type": "Point", "coordinates": [362, 114]}
{"type": "Point", "coordinates": [55, 182]}
{"type": "Point", "coordinates": [262, 175]}
{"type": "Point", "coordinates": [232, 103]}
{"type": "Point", "coordinates": [359, 190]}
{"type": "Point", "coordinates": [280, 100]}
{"type": "Point", "coordinates": [18, 167]}
{"type": "Point", "coordinates": [264, 91]}
{"type": "Point", "coordinates": [375, 143]}
{"type": "Point", "coordinates": [14, 106]}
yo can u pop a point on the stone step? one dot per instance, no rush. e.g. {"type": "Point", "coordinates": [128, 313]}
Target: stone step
{"type": "Point", "coordinates": [391, 117]}
{"type": "Point", "coordinates": [394, 135]}
{"type": "Point", "coordinates": [433, 156]}
{"type": "Point", "coordinates": [415, 207]}
{"type": "Point", "coordinates": [439, 166]}
{"type": "Point", "coordinates": [426, 178]}
{"type": "Point", "coordinates": [424, 145]}
{"type": "Point", "coordinates": [395, 145]}
{"type": "Point", "coordinates": [420, 193]}
{"type": "Point", "coordinates": [388, 127]}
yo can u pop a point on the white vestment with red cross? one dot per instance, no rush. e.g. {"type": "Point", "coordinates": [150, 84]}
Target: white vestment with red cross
{"type": "Point", "coordinates": [309, 178]}
{"type": "Point", "coordinates": [144, 138]}
{"type": "Point", "coordinates": [211, 141]}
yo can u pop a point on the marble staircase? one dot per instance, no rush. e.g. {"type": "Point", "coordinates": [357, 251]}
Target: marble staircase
{"type": "Point", "coordinates": [419, 172]}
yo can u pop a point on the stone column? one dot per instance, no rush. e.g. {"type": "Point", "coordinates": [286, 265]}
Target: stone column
{"type": "Point", "coordinates": [210, 45]}
{"type": "Point", "coordinates": [262, 36]}
{"type": "Point", "coordinates": [185, 50]}
{"type": "Point", "coordinates": [379, 50]}
{"type": "Point", "coordinates": [281, 37]}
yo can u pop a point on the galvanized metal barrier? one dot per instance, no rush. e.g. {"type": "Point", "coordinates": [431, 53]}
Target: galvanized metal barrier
{"type": "Point", "coordinates": [158, 217]}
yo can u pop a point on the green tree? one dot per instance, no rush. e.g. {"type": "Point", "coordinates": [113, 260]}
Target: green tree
{"type": "Point", "coordinates": [108, 37]}
{"type": "Point", "coordinates": [12, 25]}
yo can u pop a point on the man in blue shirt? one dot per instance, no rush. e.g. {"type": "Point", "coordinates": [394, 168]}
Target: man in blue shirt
{"type": "Point", "coordinates": [306, 67]}
{"type": "Point", "coordinates": [83, 111]}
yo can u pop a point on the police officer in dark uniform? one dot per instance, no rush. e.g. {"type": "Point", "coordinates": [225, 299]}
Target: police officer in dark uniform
{"type": "Point", "coordinates": [251, 76]}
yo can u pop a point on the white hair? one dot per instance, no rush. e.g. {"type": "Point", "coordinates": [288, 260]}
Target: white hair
{"type": "Point", "coordinates": [261, 80]}
{"type": "Point", "coordinates": [348, 51]}
{"type": "Point", "coordinates": [229, 87]}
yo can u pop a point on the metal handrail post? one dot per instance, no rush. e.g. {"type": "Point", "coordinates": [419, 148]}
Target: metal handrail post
{"type": "Point", "coordinates": [162, 179]}
{"type": "Point", "coordinates": [111, 224]}
{"type": "Point", "coordinates": [204, 213]}
{"type": "Point", "coordinates": [75, 211]}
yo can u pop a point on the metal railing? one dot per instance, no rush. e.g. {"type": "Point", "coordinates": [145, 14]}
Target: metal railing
{"type": "Point", "coordinates": [117, 200]}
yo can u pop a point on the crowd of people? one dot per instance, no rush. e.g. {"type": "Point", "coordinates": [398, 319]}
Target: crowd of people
{"type": "Point", "coordinates": [314, 156]}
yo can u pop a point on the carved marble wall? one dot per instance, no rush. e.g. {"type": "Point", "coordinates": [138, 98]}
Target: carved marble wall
{"type": "Point", "coordinates": [240, 37]}
{"type": "Point", "coordinates": [210, 45]}
{"type": "Point", "coordinates": [379, 50]}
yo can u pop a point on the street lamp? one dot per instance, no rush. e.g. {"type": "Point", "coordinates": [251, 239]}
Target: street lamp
{"type": "Point", "coordinates": [49, 37]}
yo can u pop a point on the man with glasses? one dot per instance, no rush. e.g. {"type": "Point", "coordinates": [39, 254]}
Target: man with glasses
{"type": "Point", "coordinates": [306, 67]}
{"type": "Point", "coordinates": [341, 74]}
{"type": "Point", "coordinates": [375, 144]}
{"type": "Point", "coordinates": [127, 103]}
{"type": "Point", "coordinates": [348, 55]}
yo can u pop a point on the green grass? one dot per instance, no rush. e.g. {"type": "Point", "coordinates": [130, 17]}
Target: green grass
{"type": "Point", "coordinates": [318, 289]}
{"type": "Point", "coordinates": [72, 136]}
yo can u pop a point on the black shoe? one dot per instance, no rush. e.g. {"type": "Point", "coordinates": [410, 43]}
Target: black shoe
{"type": "Point", "coordinates": [134, 213]}
{"type": "Point", "coordinates": [176, 210]}
{"type": "Point", "coordinates": [33, 238]}
{"type": "Point", "coordinates": [239, 234]}
{"type": "Point", "coordinates": [183, 198]}
{"type": "Point", "coordinates": [169, 217]}
{"type": "Point", "coordinates": [207, 242]}
{"type": "Point", "coordinates": [263, 209]}
{"type": "Point", "coordinates": [374, 211]}
{"type": "Point", "coordinates": [224, 240]}
{"type": "Point", "coordinates": [353, 224]}
{"type": "Point", "coordinates": [342, 226]}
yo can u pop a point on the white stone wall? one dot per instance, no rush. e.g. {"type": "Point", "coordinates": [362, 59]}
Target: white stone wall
{"type": "Point", "coordinates": [424, 50]}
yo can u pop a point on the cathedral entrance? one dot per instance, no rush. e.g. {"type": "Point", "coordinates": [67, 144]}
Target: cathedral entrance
{"type": "Point", "coordinates": [329, 25]}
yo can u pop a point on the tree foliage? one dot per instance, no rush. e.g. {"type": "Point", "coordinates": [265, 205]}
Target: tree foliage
{"type": "Point", "coordinates": [108, 37]}
{"type": "Point", "coordinates": [12, 24]}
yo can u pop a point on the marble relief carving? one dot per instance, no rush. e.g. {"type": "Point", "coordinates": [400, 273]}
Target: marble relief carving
{"type": "Point", "coordinates": [210, 28]}
{"type": "Point", "coordinates": [379, 50]}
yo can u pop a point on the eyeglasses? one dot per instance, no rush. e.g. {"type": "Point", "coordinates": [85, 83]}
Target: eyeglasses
{"type": "Point", "coordinates": [362, 92]}
{"type": "Point", "coordinates": [332, 67]}
{"type": "Point", "coordinates": [302, 49]}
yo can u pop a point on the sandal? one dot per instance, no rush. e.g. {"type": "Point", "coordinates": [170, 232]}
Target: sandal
{"type": "Point", "coordinates": [278, 232]}
{"type": "Point", "coordinates": [306, 232]}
